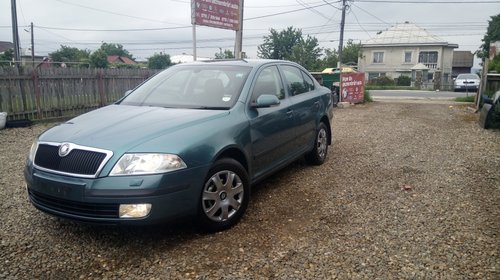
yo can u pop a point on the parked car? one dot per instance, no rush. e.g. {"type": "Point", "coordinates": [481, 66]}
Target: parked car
{"type": "Point", "coordinates": [189, 142]}
{"type": "Point", "coordinates": [466, 82]}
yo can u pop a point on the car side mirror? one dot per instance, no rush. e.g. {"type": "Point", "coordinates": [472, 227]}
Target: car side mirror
{"type": "Point", "coordinates": [127, 92]}
{"type": "Point", "coordinates": [454, 79]}
{"type": "Point", "coordinates": [266, 100]}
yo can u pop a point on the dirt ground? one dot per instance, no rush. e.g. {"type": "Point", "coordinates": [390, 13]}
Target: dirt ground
{"type": "Point", "coordinates": [409, 191]}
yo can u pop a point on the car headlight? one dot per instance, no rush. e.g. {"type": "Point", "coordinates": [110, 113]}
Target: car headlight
{"type": "Point", "coordinates": [31, 155]}
{"type": "Point", "coordinates": [139, 164]}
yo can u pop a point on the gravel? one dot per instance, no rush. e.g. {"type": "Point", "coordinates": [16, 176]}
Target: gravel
{"type": "Point", "coordinates": [409, 191]}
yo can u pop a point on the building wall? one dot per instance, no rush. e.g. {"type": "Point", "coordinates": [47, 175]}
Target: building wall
{"type": "Point", "coordinates": [394, 63]}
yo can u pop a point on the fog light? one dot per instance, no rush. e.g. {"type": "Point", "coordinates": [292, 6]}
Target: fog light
{"type": "Point", "coordinates": [134, 210]}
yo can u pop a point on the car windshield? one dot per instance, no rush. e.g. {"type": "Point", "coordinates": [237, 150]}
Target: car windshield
{"type": "Point", "coordinates": [192, 86]}
{"type": "Point", "coordinates": [467, 77]}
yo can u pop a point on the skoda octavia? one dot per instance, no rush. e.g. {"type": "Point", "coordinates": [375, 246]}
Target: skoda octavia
{"type": "Point", "coordinates": [189, 142]}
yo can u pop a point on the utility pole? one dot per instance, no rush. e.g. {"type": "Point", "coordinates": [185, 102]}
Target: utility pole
{"type": "Point", "coordinates": [341, 41]}
{"type": "Point", "coordinates": [238, 44]}
{"type": "Point", "coordinates": [32, 46]}
{"type": "Point", "coordinates": [15, 34]}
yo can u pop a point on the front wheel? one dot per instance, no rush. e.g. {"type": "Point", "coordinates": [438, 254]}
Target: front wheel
{"type": "Point", "coordinates": [318, 154]}
{"type": "Point", "coordinates": [224, 197]}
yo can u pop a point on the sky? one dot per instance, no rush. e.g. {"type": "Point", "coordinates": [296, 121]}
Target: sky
{"type": "Point", "coordinates": [147, 27]}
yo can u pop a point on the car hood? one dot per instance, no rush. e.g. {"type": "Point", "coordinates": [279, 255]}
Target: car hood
{"type": "Point", "coordinates": [123, 127]}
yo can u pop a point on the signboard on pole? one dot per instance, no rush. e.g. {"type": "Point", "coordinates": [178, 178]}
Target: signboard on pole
{"type": "Point", "coordinates": [352, 87]}
{"type": "Point", "coordinates": [216, 13]}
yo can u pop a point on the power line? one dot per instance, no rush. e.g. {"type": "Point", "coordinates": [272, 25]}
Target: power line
{"type": "Point", "coordinates": [431, 2]}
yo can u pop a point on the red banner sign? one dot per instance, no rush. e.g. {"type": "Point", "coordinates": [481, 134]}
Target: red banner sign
{"type": "Point", "coordinates": [216, 13]}
{"type": "Point", "coordinates": [352, 87]}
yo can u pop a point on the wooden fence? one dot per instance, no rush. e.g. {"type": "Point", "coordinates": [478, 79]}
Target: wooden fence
{"type": "Point", "coordinates": [46, 93]}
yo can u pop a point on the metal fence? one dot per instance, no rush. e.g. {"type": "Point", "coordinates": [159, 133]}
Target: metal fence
{"type": "Point", "coordinates": [46, 93]}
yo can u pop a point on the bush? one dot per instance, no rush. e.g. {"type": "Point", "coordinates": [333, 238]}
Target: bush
{"type": "Point", "coordinates": [367, 96]}
{"type": "Point", "coordinates": [382, 81]}
{"type": "Point", "coordinates": [403, 81]}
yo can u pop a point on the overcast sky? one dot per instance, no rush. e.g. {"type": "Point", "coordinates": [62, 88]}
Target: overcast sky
{"type": "Point", "coordinates": [86, 24]}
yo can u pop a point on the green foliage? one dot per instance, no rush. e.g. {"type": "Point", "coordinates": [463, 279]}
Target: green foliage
{"type": "Point", "coordinates": [306, 52]}
{"type": "Point", "coordinates": [494, 65]}
{"type": "Point", "coordinates": [278, 45]}
{"type": "Point", "coordinates": [382, 81]}
{"type": "Point", "coordinates": [351, 52]}
{"type": "Point", "coordinates": [367, 96]}
{"type": "Point", "coordinates": [403, 81]}
{"type": "Point", "coordinates": [492, 35]}
{"type": "Point", "coordinates": [72, 55]}
{"type": "Point", "coordinates": [159, 61]}
{"type": "Point", "coordinates": [289, 44]}
{"type": "Point", "coordinates": [115, 49]}
{"type": "Point", "coordinates": [469, 98]}
{"type": "Point", "coordinates": [99, 59]}
{"type": "Point", "coordinates": [227, 54]}
{"type": "Point", "coordinates": [6, 57]}
{"type": "Point", "coordinates": [330, 59]}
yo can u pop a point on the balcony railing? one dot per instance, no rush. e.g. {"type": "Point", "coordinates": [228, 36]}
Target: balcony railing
{"type": "Point", "coordinates": [431, 65]}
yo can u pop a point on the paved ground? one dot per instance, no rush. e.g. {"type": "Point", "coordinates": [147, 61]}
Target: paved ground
{"type": "Point", "coordinates": [409, 191]}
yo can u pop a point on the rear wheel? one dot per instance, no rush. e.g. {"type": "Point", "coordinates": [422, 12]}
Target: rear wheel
{"type": "Point", "coordinates": [224, 197]}
{"type": "Point", "coordinates": [318, 154]}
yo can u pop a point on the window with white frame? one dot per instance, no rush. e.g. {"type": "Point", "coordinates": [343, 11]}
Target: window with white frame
{"type": "Point", "coordinates": [378, 57]}
{"type": "Point", "coordinates": [407, 58]}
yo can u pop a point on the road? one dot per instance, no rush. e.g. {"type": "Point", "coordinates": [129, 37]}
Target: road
{"type": "Point", "coordinates": [417, 94]}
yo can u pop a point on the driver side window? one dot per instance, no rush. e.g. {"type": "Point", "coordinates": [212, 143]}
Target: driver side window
{"type": "Point", "coordinates": [268, 82]}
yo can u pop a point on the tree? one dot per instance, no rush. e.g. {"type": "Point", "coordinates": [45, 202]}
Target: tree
{"type": "Point", "coordinates": [289, 44]}
{"type": "Point", "coordinates": [115, 49]}
{"type": "Point", "coordinates": [99, 59]}
{"type": "Point", "coordinates": [6, 57]}
{"type": "Point", "coordinates": [330, 59]}
{"type": "Point", "coordinates": [306, 53]}
{"type": "Point", "coordinates": [351, 52]}
{"type": "Point", "coordinates": [68, 54]}
{"type": "Point", "coordinates": [278, 45]}
{"type": "Point", "coordinates": [227, 54]}
{"type": "Point", "coordinates": [492, 35]}
{"type": "Point", "coordinates": [159, 61]}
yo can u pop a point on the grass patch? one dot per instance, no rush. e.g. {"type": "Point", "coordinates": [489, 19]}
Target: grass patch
{"type": "Point", "coordinates": [375, 87]}
{"type": "Point", "coordinates": [465, 98]}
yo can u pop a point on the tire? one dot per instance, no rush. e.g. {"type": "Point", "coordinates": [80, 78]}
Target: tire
{"type": "Point", "coordinates": [223, 200]}
{"type": "Point", "coordinates": [318, 154]}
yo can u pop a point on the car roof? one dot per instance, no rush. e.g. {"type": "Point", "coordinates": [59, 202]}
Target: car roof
{"type": "Point", "coordinates": [238, 62]}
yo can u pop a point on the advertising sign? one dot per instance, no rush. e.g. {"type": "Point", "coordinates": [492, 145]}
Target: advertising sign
{"type": "Point", "coordinates": [352, 87]}
{"type": "Point", "coordinates": [216, 13]}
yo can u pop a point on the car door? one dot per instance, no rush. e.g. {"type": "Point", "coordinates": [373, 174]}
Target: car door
{"type": "Point", "coordinates": [271, 128]}
{"type": "Point", "coordinates": [305, 103]}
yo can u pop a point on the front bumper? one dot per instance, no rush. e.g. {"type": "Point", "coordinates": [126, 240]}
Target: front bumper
{"type": "Point", "coordinates": [172, 195]}
{"type": "Point", "coordinates": [466, 87]}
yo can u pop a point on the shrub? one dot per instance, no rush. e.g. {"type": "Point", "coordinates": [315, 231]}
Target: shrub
{"type": "Point", "coordinates": [382, 81]}
{"type": "Point", "coordinates": [403, 81]}
{"type": "Point", "coordinates": [367, 96]}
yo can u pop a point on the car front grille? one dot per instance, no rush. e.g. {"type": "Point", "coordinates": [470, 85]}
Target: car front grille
{"type": "Point", "coordinates": [74, 208]}
{"type": "Point", "coordinates": [81, 161]}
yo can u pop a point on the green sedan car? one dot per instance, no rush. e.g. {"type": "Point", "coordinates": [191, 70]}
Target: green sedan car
{"type": "Point", "coordinates": [188, 143]}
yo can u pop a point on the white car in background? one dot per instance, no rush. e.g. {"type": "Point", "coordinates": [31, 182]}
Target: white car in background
{"type": "Point", "coordinates": [466, 82]}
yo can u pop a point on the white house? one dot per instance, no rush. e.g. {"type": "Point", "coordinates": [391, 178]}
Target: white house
{"type": "Point", "coordinates": [395, 51]}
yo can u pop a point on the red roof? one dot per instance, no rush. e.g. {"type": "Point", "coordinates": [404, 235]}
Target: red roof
{"type": "Point", "coordinates": [120, 59]}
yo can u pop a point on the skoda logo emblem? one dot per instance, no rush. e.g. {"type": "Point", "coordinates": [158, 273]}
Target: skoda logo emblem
{"type": "Point", "coordinates": [64, 150]}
